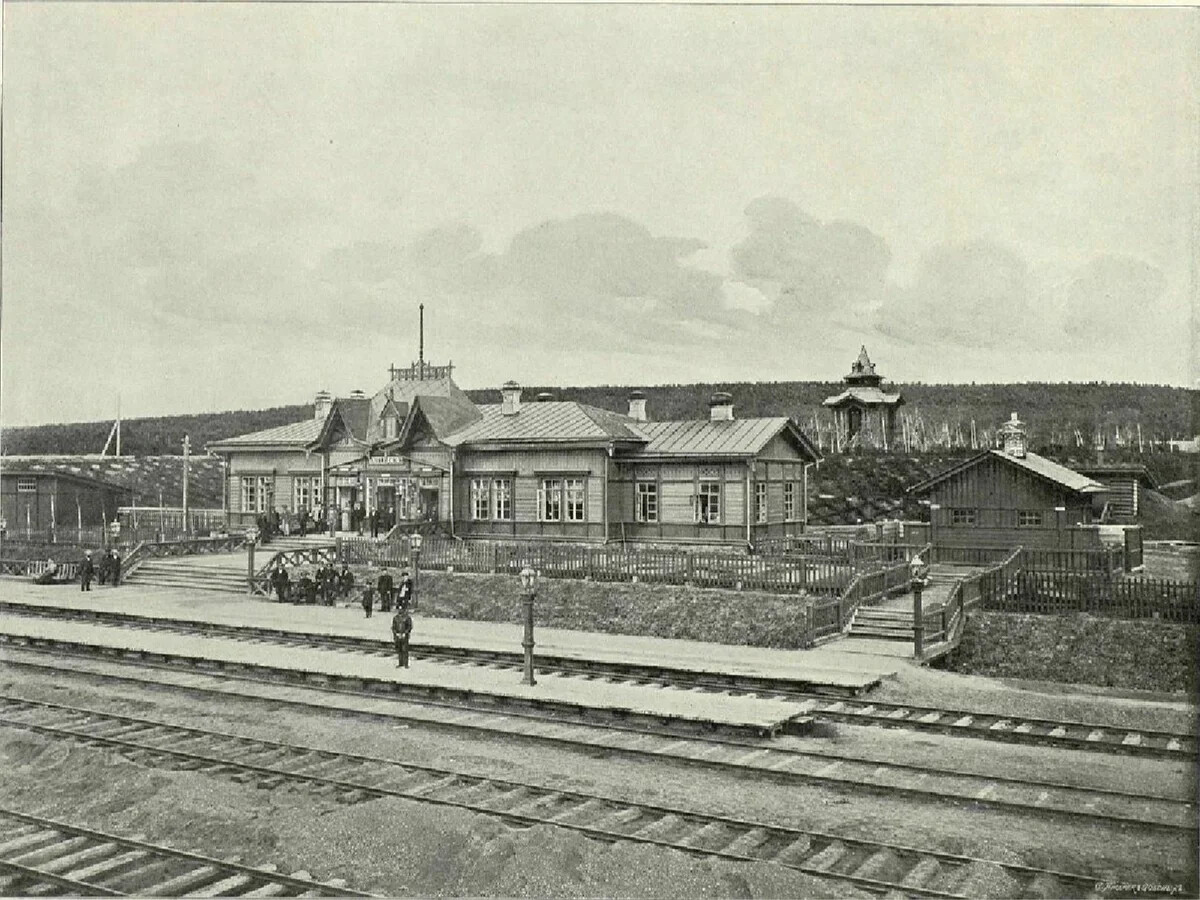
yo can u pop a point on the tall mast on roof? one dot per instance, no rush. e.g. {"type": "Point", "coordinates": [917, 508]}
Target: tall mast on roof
{"type": "Point", "coordinates": [421, 345]}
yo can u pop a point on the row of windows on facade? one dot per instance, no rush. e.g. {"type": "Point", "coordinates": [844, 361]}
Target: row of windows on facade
{"type": "Point", "coordinates": [558, 499]}
{"type": "Point", "coordinates": [1026, 518]}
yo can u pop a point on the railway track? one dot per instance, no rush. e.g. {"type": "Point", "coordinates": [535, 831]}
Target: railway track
{"type": "Point", "coordinates": [354, 778]}
{"type": "Point", "coordinates": [49, 858]}
{"type": "Point", "coordinates": [783, 761]}
{"type": "Point", "coordinates": [840, 708]}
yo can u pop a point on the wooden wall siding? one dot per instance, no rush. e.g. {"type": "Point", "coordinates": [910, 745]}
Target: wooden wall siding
{"type": "Point", "coordinates": [993, 484]}
{"type": "Point", "coordinates": [97, 504]}
{"type": "Point", "coordinates": [735, 504]}
{"type": "Point", "coordinates": [263, 463]}
{"type": "Point", "coordinates": [1122, 497]}
{"type": "Point", "coordinates": [779, 447]}
{"type": "Point", "coordinates": [675, 504]}
{"type": "Point", "coordinates": [532, 462]}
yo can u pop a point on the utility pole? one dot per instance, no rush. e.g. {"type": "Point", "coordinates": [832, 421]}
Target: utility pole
{"type": "Point", "coordinates": [118, 426]}
{"type": "Point", "coordinates": [187, 447]}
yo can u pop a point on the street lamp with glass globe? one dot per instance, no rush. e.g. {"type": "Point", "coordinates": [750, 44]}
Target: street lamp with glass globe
{"type": "Point", "coordinates": [529, 579]}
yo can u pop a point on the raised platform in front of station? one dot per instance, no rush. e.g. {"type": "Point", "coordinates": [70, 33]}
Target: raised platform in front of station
{"type": "Point", "coordinates": [848, 670]}
{"type": "Point", "coordinates": [498, 689]}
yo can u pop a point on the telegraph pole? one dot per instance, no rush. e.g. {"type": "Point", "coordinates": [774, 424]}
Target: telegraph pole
{"type": "Point", "coordinates": [187, 446]}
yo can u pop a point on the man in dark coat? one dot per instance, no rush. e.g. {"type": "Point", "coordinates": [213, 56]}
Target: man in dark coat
{"type": "Point", "coordinates": [373, 518]}
{"type": "Point", "coordinates": [279, 581]}
{"type": "Point", "coordinates": [404, 594]}
{"type": "Point", "coordinates": [345, 581]}
{"type": "Point", "coordinates": [368, 599]}
{"type": "Point", "coordinates": [86, 570]}
{"type": "Point", "coordinates": [308, 589]}
{"type": "Point", "coordinates": [385, 586]}
{"type": "Point", "coordinates": [302, 520]}
{"type": "Point", "coordinates": [114, 572]}
{"type": "Point", "coordinates": [102, 567]}
{"type": "Point", "coordinates": [401, 630]}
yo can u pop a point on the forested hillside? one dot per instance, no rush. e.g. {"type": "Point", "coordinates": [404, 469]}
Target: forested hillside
{"type": "Point", "coordinates": [936, 416]}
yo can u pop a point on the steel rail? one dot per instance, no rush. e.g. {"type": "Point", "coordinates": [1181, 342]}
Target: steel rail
{"type": "Point", "coordinates": [41, 840]}
{"type": "Point", "coordinates": [838, 771]}
{"type": "Point", "coordinates": [1007, 728]}
{"type": "Point", "coordinates": [449, 788]}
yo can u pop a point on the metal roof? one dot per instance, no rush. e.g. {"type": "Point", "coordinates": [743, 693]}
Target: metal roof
{"type": "Point", "coordinates": [703, 437]}
{"type": "Point", "coordinates": [871, 396]}
{"type": "Point", "coordinates": [299, 433]}
{"type": "Point", "coordinates": [548, 421]}
{"type": "Point", "coordinates": [1036, 465]}
{"type": "Point", "coordinates": [1104, 471]}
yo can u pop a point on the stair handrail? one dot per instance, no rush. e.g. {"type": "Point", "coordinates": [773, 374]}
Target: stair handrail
{"type": "Point", "coordinates": [134, 559]}
{"type": "Point", "coordinates": [260, 581]}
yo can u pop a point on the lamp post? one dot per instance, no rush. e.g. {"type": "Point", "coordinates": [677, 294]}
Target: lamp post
{"type": "Point", "coordinates": [414, 544]}
{"type": "Point", "coordinates": [919, 572]}
{"type": "Point", "coordinates": [251, 537]}
{"type": "Point", "coordinates": [529, 584]}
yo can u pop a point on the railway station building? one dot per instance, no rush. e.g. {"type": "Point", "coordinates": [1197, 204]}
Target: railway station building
{"type": "Point", "coordinates": [424, 455]}
{"type": "Point", "coordinates": [1011, 497]}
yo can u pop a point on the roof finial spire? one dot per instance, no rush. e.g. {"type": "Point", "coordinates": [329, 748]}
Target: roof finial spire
{"type": "Point", "coordinates": [421, 347]}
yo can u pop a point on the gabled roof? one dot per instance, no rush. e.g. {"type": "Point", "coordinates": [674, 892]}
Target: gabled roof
{"type": "Point", "coordinates": [1106, 471]}
{"type": "Point", "coordinates": [1038, 466]}
{"type": "Point", "coordinates": [443, 415]}
{"type": "Point", "coordinates": [402, 392]}
{"type": "Point", "coordinates": [703, 437]}
{"type": "Point", "coordinates": [297, 434]}
{"type": "Point", "coordinates": [354, 415]}
{"type": "Point", "coordinates": [869, 396]}
{"type": "Point", "coordinates": [564, 421]}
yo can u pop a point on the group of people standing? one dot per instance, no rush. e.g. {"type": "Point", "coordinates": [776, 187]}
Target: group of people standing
{"type": "Point", "coordinates": [325, 585]}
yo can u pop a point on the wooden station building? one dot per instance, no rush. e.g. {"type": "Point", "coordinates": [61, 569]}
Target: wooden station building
{"type": "Point", "coordinates": [864, 414]}
{"type": "Point", "coordinates": [545, 469]}
{"type": "Point", "coordinates": [1010, 497]}
{"type": "Point", "coordinates": [39, 496]}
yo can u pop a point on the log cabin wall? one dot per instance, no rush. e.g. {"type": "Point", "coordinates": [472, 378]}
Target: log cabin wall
{"type": "Point", "coordinates": [994, 504]}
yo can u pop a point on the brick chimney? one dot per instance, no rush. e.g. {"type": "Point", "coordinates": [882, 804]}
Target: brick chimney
{"type": "Point", "coordinates": [637, 406]}
{"type": "Point", "coordinates": [720, 407]}
{"type": "Point", "coordinates": [322, 405]}
{"type": "Point", "coordinates": [1013, 437]}
{"type": "Point", "coordinates": [510, 398]}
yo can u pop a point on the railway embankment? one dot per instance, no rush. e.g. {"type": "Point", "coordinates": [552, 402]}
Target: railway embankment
{"type": "Point", "coordinates": [1141, 655]}
{"type": "Point", "coordinates": [746, 618]}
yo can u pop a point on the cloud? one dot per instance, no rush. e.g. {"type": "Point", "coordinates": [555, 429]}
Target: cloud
{"type": "Point", "coordinates": [976, 294]}
{"type": "Point", "coordinates": [1114, 297]}
{"type": "Point", "coordinates": [811, 270]}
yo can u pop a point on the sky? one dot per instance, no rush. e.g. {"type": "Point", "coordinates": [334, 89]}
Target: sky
{"type": "Point", "coordinates": [235, 205]}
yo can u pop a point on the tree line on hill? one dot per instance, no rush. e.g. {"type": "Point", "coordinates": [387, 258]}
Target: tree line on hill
{"type": "Point", "coordinates": [1061, 418]}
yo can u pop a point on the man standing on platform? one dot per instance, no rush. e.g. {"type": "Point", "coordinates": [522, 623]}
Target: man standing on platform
{"type": "Point", "coordinates": [115, 570]}
{"type": "Point", "coordinates": [279, 580]}
{"type": "Point", "coordinates": [86, 569]}
{"type": "Point", "coordinates": [385, 586]}
{"type": "Point", "coordinates": [368, 599]}
{"type": "Point", "coordinates": [302, 519]}
{"type": "Point", "coordinates": [404, 596]}
{"type": "Point", "coordinates": [401, 629]}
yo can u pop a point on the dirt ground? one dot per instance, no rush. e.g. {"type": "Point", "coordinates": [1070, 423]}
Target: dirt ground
{"type": "Point", "coordinates": [402, 848]}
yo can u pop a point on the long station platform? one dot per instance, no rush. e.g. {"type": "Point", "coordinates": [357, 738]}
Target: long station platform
{"type": "Point", "coordinates": [851, 672]}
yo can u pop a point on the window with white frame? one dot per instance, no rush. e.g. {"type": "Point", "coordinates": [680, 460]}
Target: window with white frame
{"type": "Point", "coordinates": [789, 501]}
{"type": "Point", "coordinates": [257, 493]}
{"type": "Point", "coordinates": [708, 502]}
{"type": "Point", "coordinates": [760, 502]}
{"type": "Point", "coordinates": [306, 492]}
{"type": "Point", "coordinates": [962, 517]}
{"type": "Point", "coordinates": [481, 500]}
{"type": "Point", "coordinates": [575, 496]}
{"type": "Point", "coordinates": [1029, 518]}
{"type": "Point", "coordinates": [389, 428]}
{"type": "Point", "coordinates": [646, 505]}
{"type": "Point", "coordinates": [502, 499]}
{"type": "Point", "coordinates": [27, 485]}
{"type": "Point", "coordinates": [550, 500]}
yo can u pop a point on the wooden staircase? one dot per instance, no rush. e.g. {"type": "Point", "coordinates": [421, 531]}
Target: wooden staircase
{"type": "Point", "coordinates": [882, 623]}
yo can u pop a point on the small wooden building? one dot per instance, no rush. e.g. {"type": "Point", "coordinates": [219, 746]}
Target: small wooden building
{"type": "Point", "coordinates": [864, 414]}
{"type": "Point", "coordinates": [1011, 497]}
{"type": "Point", "coordinates": [1124, 482]}
{"type": "Point", "coordinates": [40, 497]}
